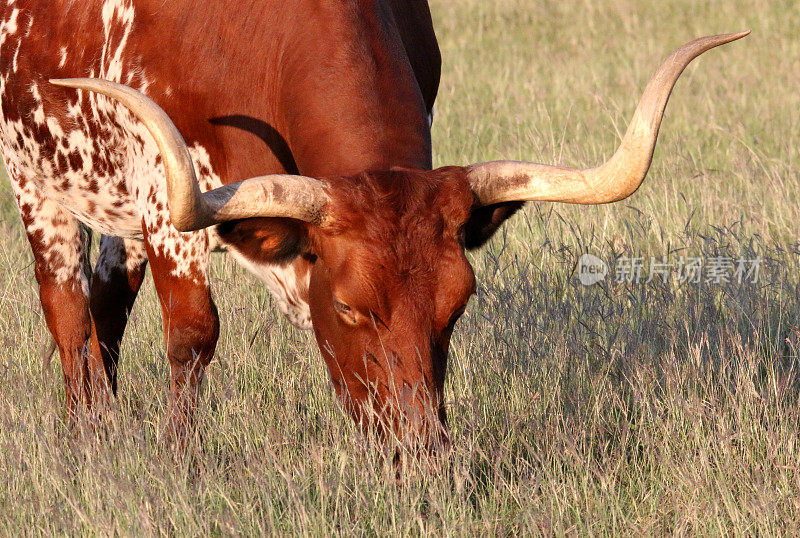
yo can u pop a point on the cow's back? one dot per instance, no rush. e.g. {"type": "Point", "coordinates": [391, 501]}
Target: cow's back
{"type": "Point", "coordinates": [218, 69]}
{"type": "Point", "coordinates": [82, 151]}
{"type": "Point", "coordinates": [86, 151]}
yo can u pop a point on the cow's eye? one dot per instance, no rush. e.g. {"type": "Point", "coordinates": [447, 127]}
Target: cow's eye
{"type": "Point", "coordinates": [347, 313]}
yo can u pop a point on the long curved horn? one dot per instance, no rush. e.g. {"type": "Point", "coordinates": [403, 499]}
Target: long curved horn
{"type": "Point", "coordinates": [296, 197]}
{"type": "Point", "coordinates": [620, 176]}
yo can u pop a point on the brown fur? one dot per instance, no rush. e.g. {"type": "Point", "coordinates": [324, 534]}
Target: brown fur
{"type": "Point", "coordinates": [393, 253]}
{"type": "Point", "coordinates": [335, 89]}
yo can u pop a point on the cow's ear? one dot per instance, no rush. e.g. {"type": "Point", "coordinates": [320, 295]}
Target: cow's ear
{"type": "Point", "coordinates": [271, 240]}
{"type": "Point", "coordinates": [484, 222]}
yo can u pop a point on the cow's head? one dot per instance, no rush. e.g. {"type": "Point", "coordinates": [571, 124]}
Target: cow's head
{"type": "Point", "coordinates": [390, 276]}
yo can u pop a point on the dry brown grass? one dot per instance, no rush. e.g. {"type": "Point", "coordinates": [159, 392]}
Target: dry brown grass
{"type": "Point", "coordinates": [621, 408]}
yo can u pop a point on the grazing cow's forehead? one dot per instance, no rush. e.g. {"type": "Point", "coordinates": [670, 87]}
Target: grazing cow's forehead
{"type": "Point", "coordinates": [392, 230]}
{"type": "Point", "coordinates": [380, 205]}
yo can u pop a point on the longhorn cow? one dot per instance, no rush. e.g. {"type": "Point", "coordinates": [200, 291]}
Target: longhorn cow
{"type": "Point", "coordinates": [162, 151]}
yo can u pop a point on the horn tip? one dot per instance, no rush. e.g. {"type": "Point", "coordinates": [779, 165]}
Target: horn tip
{"type": "Point", "coordinates": [66, 82]}
{"type": "Point", "coordinates": [712, 41]}
{"type": "Point", "coordinates": [733, 37]}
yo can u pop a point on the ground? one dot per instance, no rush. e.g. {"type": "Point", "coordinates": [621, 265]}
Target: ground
{"type": "Point", "coordinates": [644, 408]}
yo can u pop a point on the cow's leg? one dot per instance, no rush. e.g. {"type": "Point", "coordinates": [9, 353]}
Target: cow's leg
{"type": "Point", "coordinates": [118, 275]}
{"type": "Point", "coordinates": [191, 325]}
{"type": "Point", "coordinates": [60, 247]}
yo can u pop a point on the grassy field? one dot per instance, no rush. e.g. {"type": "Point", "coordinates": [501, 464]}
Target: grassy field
{"type": "Point", "coordinates": [659, 408]}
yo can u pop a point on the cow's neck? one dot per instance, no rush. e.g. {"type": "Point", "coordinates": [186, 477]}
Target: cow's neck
{"type": "Point", "coordinates": [323, 88]}
{"type": "Point", "coordinates": [349, 99]}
